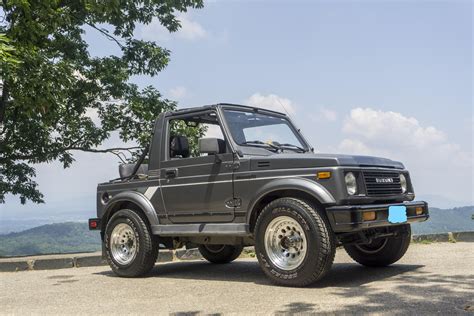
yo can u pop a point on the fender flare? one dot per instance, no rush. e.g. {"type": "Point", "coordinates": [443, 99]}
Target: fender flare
{"type": "Point", "coordinates": [136, 198]}
{"type": "Point", "coordinates": [312, 188]}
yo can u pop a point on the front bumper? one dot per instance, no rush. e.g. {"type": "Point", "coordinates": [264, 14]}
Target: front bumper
{"type": "Point", "coordinates": [348, 218]}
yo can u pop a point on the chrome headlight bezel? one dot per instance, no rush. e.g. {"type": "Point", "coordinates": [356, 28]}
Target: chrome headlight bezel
{"type": "Point", "coordinates": [351, 183]}
{"type": "Point", "coordinates": [403, 183]}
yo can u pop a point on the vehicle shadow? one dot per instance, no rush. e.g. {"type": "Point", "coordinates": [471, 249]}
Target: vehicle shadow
{"type": "Point", "coordinates": [340, 275]}
{"type": "Point", "coordinates": [397, 289]}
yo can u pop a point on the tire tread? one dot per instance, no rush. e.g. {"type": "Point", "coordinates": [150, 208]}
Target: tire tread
{"type": "Point", "coordinates": [149, 246]}
{"type": "Point", "coordinates": [328, 243]}
{"type": "Point", "coordinates": [229, 254]}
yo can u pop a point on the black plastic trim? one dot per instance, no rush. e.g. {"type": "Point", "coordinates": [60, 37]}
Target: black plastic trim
{"type": "Point", "coordinates": [348, 218]}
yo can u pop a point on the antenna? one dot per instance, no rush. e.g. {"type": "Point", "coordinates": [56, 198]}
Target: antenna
{"type": "Point", "coordinates": [287, 113]}
{"type": "Point", "coordinates": [291, 118]}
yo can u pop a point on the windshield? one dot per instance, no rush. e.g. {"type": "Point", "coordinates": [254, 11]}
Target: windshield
{"type": "Point", "coordinates": [263, 130]}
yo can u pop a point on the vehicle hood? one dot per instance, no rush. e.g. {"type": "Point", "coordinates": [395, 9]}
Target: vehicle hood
{"type": "Point", "coordinates": [312, 160]}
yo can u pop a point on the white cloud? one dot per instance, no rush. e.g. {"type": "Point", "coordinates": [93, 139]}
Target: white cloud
{"type": "Point", "coordinates": [178, 92]}
{"type": "Point", "coordinates": [355, 146]}
{"type": "Point", "coordinates": [190, 30]}
{"type": "Point", "coordinates": [425, 150]}
{"type": "Point", "coordinates": [324, 114]}
{"type": "Point", "coordinates": [271, 102]}
{"type": "Point", "coordinates": [391, 127]}
{"type": "Point", "coordinates": [329, 115]}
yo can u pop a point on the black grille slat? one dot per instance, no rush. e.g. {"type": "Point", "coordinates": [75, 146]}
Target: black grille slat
{"type": "Point", "coordinates": [375, 188]}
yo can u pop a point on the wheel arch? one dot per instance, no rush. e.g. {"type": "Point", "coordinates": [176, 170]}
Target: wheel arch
{"type": "Point", "coordinates": [130, 200]}
{"type": "Point", "coordinates": [297, 188]}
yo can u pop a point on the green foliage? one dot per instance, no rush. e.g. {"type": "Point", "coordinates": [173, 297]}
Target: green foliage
{"type": "Point", "coordinates": [53, 238]}
{"type": "Point", "coordinates": [193, 133]}
{"type": "Point", "coordinates": [57, 98]}
{"type": "Point", "coordinates": [7, 51]}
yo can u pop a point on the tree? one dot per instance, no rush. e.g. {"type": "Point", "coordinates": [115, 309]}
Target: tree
{"type": "Point", "coordinates": [7, 51]}
{"type": "Point", "coordinates": [52, 87]}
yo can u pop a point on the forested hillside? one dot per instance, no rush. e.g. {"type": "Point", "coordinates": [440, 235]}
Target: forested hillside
{"type": "Point", "coordinates": [53, 238]}
{"type": "Point", "coordinates": [75, 236]}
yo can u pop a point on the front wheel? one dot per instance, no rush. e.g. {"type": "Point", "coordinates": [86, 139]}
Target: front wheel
{"type": "Point", "coordinates": [130, 248]}
{"type": "Point", "coordinates": [294, 243]}
{"type": "Point", "coordinates": [381, 252]}
{"type": "Point", "coordinates": [220, 253]}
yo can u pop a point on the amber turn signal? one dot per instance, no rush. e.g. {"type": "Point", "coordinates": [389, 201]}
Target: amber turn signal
{"type": "Point", "coordinates": [419, 210]}
{"type": "Point", "coordinates": [324, 175]}
{"type": "Point", "coordinates": [369, 216]}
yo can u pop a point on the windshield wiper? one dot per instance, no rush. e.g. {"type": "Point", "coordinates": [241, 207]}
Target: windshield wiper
{"type": "Point", "coordinates": [258, 143]}
{"type": "Point", "coordinates": [290, 146]}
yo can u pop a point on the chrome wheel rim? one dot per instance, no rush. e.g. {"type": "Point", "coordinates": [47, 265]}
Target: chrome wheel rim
{"type": "Point", "coordinates": [285, 243]}
{"type": "Point", "coordinates": [373, 247]}
{"type": "Point", "coordinates": [123, 244]}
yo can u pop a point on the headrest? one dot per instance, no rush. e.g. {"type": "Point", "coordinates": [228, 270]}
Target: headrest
{"type": "Point", "coordinates": [179, 147]}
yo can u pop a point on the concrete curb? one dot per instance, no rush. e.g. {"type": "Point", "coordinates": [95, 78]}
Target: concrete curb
{"type": "Point", "coordinates": [446, 237]}
{"type": "Point", "coordinates": [51, 264]}
{"type": "Point", "coordinates": [79, 260]}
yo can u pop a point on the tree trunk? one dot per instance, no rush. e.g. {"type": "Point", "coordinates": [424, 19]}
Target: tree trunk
{"type": "Point", "coordinates": [3, 103]}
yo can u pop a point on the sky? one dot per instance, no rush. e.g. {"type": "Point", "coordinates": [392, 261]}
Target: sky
{"type": "Point", "coordinates": [384, 78]}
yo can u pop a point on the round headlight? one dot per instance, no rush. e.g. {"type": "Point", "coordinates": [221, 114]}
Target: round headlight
{"type": "Point", "coordinates": [403, 183]}
{"type": "Point", "coordinates": [351, 183]}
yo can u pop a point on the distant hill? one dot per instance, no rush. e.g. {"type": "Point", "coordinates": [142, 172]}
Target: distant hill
{"type": "Point", "coordinates": [446, 220]}
{"type": "Point", "coordinates": [54, 238]}
{"type": "Point", "coordinates": [75, 236]}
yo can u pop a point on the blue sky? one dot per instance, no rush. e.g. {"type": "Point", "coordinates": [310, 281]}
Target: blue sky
{"type": "Point", "coordinates": [382, 78]}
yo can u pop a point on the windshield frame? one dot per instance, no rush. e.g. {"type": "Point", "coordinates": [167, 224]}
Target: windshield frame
{"type": "Point", "coordinates": [291, 125]}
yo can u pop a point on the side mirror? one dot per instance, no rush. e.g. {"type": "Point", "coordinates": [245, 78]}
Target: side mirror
{"type": "Point", "coordinates": [213, 146]}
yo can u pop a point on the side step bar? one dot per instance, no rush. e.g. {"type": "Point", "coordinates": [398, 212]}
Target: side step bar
{"type": "Point", "coordinates": [241, 230]}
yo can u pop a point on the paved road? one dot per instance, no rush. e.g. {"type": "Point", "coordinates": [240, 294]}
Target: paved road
{"type": "Point", "coordinates": [434, 278]}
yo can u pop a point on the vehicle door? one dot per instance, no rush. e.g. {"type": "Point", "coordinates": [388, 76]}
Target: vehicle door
{"type": "Point", "coordinates": [196, 187]}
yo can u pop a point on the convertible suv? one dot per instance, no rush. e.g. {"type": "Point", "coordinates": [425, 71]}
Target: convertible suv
{"type": "Point", "coordinates": [222, 177]}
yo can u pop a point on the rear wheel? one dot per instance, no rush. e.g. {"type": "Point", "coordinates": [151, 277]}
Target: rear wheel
{"type": "Point", "coordinates": [130, 248]}
{"type": "Point", "coordinates": [220, 253]}
{"type": "Point", "coordinates": [381, 252]}
{"type": "Point", "coordinates": [294, 244]}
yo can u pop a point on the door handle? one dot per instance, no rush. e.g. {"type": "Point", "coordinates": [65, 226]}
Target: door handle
{"type": "Point", "coordinates": [171, 173]}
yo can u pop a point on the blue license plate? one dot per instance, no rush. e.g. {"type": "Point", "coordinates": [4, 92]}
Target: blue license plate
{"type": "Point", "coordinates": [397, 214]}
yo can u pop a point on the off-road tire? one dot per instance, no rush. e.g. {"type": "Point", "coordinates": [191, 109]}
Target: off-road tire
{"type": "Point", "coordinates": [220, 253]}
{"type": "Point", "coordinates": [320, 241]}
{"type": "Point", "coordinates": [391, 250]}
{"type": "Point", "coordinates": [147, 244]}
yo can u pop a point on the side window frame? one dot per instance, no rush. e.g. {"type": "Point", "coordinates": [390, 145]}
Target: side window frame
{"type": "Point", "coordinates": [167, 135]}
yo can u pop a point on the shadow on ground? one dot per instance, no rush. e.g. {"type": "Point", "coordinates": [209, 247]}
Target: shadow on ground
{"type": "Point", "coordinates": [407, 289]}
{"type": "Point", "coordinates": [341, 274]}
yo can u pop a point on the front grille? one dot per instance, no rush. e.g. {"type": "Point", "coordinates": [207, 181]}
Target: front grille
{"type": "Point", "coordinates": [378, 183]}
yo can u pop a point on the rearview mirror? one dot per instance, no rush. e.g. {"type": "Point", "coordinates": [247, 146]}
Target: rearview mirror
{"type": "Point", "coordinates": [211, 146]}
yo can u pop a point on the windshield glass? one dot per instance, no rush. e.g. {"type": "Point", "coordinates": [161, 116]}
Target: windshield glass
{"type": "Point", "coordinates": [262, 130]}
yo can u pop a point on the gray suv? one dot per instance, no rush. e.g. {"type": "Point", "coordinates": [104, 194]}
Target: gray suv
{"type": "Point", "coordinates": [222, 177]}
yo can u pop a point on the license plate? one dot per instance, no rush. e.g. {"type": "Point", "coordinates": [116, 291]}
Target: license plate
{"type": "Point", "coordinates": [397, 214]}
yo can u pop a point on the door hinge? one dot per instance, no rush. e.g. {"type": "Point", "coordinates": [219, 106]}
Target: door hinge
{"type": "Point", "coordinates": [235, 202]}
